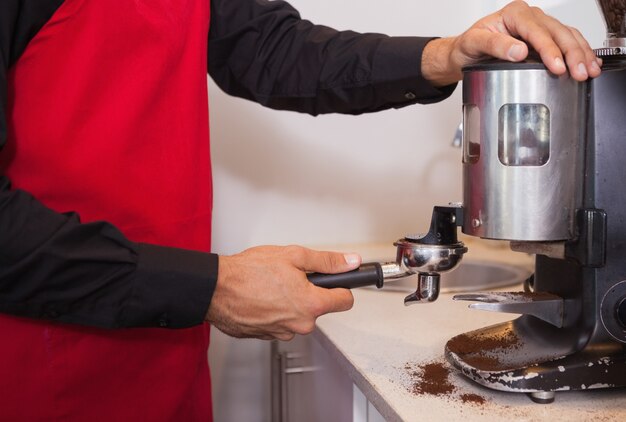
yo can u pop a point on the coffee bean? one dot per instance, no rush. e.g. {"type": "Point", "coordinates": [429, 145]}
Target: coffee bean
{"type": "Point", "coordinates": [614, 12]}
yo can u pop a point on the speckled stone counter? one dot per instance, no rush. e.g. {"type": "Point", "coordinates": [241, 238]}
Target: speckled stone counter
{"type": "Point", "coordinates": [380, 342]}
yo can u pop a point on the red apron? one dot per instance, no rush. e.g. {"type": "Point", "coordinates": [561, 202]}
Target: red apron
{"type": "Point", "coordinates": [108, 117]}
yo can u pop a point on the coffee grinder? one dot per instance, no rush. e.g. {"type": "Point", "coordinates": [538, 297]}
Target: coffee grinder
{"type": "Point", "coordinates": [544, 159]}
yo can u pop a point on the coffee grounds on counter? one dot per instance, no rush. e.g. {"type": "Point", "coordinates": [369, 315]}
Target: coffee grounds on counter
{"type": "Point", "coordinates": [433, 378]}
{"type": "Point", "coordinates": [472, 398]}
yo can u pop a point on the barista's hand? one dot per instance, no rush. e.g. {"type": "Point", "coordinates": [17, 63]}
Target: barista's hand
{"type": "Point", "coordinates": [497, 36]}
{"type": "Point", "coordinates": [263, 292]}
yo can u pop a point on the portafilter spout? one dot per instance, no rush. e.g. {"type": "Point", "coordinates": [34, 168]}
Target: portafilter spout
{"type": "Point", "coordinates": [426, 255]}
{"type": "Point", "coordinates": [433, 253]}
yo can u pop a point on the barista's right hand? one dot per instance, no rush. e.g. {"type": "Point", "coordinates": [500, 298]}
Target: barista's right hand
{"type": "Point", "coordinates": [507, 34]}
{"type": "Point", "coordinates": [263, 292]}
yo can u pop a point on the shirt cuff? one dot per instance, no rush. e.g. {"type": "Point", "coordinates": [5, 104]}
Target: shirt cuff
{"type": "Point", "coordinates": [172, 288]}
{"type": "Point", "coordinates": [397, 75]}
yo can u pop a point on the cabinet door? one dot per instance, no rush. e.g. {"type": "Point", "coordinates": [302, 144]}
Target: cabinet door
{"type": "Point", "coordinates": [307, 384]}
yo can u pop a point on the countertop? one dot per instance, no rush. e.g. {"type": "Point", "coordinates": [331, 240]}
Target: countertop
{"type": "Point", "coordinates": [381, 343]}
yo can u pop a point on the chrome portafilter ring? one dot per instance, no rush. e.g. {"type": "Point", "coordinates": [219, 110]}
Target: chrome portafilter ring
{"type": "Point", "coordinates": [427, 261]}
{"type": "Point", "coordinates": [418, 257]}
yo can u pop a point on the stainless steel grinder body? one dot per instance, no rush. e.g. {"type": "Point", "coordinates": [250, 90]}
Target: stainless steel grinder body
{"type": "Point", "coordinates": [571, 334]}
{"type": "Point", "coordinates": [523, 135]}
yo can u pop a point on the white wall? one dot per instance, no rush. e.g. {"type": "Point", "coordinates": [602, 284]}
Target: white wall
{"type": "Point", "coordinates": [283, 177]}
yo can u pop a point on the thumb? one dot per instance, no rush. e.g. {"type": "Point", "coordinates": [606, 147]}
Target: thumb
{"type": "Point", "coordinates": [327, 262]}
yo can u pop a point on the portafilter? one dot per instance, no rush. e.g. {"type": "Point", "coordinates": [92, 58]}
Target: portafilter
{"type": "Point", "coordinates": [427, 255]}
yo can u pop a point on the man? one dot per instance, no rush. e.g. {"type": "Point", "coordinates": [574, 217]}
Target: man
{"type": "Point", "coordinates": [104, 114]}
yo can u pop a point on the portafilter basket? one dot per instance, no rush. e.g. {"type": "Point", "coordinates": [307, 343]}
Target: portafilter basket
{"type": "Point", "coordinates": [426, 255]}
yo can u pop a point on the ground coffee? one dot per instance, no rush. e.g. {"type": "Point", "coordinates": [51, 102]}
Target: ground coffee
{"type": "Point", "coordinates": [433, 378]}
{"type": "Point", "coordinates": [485, 352]}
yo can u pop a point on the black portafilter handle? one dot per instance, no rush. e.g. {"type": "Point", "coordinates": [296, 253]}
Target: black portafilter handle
{"type": "Point", "coordinates": [369, 274]}
{"type": "Point", "coordinates": [443, 225]}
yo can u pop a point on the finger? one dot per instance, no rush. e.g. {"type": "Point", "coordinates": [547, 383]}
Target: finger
{"type": "Point", "coordinates": [575, 52]}
{"type": "Point", "coordinates": [332, 300]}
{"type": "Point", "coordinates": [476, 43]}
{"type": "Point", "coordinates": [592, 62]}
{"type": "Point", "coordinates": [530, 25]}
{"type": "Point", "coordinates": [325, 262]}
{"type": "Point", "coordinates": [282, 337]}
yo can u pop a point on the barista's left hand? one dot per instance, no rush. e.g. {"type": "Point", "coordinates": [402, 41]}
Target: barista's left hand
{"type": "Point", "coordinates": [498, 35]}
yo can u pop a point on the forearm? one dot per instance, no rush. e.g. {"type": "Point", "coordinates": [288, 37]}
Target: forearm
{"type": "Point", "coordinates": [436, 62]}
{"type": "Point", "coordinates": [54, 267]}
{"type": "Point", "coordinates": [265, 52]}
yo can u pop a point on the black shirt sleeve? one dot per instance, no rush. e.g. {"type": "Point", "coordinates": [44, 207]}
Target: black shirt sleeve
{"type": "Point", "coordinates": [263, 51]}
{"type": "Point", "coordinates": [54, 267]}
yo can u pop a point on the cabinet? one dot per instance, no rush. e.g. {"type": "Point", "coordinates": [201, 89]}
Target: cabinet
{"type": "Point", "coordinates": [310, 386]}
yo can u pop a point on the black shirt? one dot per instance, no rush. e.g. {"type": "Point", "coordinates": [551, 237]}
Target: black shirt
{"type": "Point", "coordinates": [258, 50]}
